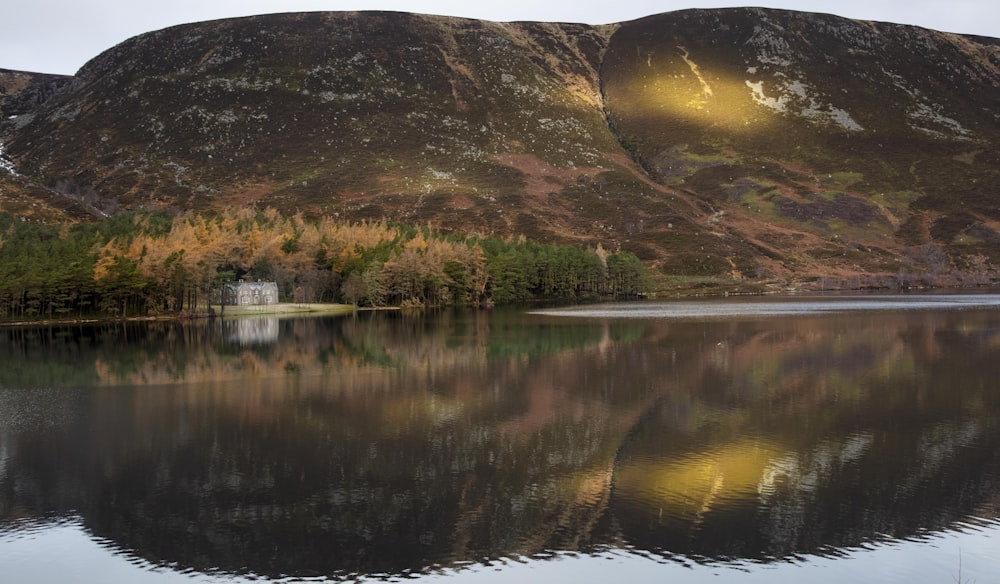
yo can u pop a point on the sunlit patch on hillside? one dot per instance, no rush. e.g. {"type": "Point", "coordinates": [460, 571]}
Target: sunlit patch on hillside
{"type": "Point", "coordinates": [710, 99]}
{"type": "Point", "coordinates": [680, 87]}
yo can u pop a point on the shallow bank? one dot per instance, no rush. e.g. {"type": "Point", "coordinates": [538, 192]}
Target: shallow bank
{"type": "Point", "coordinates": [230, 312]}
{"type": "Point", "coordinates": [286, 308]}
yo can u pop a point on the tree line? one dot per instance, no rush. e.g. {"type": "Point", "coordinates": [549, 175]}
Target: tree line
{"type": "Point", "coordinates": [149, 263]}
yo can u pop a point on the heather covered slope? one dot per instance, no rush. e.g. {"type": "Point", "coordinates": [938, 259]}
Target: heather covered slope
{"type": "Point", "coordinates": [829, 143]}
{"type": "Point", "coordinates": [738, 144]}
{"type": "Point", "coordinates": [331, 112]}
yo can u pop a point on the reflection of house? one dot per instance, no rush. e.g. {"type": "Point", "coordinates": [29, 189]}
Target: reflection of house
{"type": "Point", "coordinates": [251, 331]}
{"type": "Point", "coordinates": [251, 293]}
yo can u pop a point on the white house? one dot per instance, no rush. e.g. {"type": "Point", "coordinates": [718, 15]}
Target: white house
{"type": "Point", "coordinates": [250, 293]}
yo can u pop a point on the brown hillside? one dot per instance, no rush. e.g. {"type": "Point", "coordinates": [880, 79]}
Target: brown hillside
{"type": "Point", "coordinates": [739, 144]}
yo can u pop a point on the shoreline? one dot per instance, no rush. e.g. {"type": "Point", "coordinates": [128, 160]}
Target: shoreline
{"type": "Point", "coordinates": [281, 309]}
{"type": "Point", "coordinates": [319, 309]}
{"type": "Point", "coordinates": [230, 312]}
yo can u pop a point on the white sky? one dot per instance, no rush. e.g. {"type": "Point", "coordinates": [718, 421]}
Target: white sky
{"type": "Point", "coordinates": [58, 36]}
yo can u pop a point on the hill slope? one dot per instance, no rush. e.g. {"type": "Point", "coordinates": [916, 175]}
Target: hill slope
{"type": "Point", "coordinates": [740, 143]}
{"type": "Point", "coordinates": [828, 143]}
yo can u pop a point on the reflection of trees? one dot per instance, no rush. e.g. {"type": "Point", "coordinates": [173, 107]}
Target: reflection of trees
{"type": "Point", "coordinates": [330, 459]}
{"type": "Point", "coordinates": [390, 443]}
{"type": "Point", "coordinates": [21, 349]}
{"type": "Point", "coordinates": [229, 349]}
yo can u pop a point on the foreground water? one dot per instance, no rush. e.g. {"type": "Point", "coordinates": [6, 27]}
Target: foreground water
{"type": "Point", "coordinates": [743, 441]}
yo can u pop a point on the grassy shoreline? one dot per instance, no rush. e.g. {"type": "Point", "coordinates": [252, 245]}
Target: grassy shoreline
{"type": "Point", "coordinates": [284, 309]}
{"type": "Point", "coordinates": [289, 309]}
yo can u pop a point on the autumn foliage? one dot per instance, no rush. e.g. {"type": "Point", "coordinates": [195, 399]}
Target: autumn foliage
{"type": "Point", "coordinates": [149, 263]}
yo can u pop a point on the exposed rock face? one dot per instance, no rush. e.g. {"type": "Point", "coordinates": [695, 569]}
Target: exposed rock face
{"type": "Point", "coordinates": [742, 142]}
{"type": "Point", "coordinates": [22, 92]}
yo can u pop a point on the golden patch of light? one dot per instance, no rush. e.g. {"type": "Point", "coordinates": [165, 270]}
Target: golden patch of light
{"type": "Point", "coordinates": [706, 89]}
{"type": "Point", "coordinates": [689, 487]}
{"type": "Point", "coordinates": [696, 93]}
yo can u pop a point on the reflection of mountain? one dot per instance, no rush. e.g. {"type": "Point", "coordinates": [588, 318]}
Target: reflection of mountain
{"type": "Point", "coordinates": [760, 500]}
{"type": "Point", "coordinates": [816, 435]}
{"type": "Point", "coordinates": [339, 464]}
{"type": "Point", "coordinates": [713, 440]}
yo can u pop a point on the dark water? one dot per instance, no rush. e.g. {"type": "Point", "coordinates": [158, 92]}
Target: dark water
{"type": "Point", "coordinates": [648, 443]}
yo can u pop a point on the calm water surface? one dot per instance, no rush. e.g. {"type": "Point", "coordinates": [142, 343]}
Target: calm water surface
{"type": "Point", "coordinates": [763, 440]}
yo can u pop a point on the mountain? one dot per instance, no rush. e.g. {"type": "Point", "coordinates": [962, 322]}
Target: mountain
{"type": "Point", "coordinates": [733, 144]}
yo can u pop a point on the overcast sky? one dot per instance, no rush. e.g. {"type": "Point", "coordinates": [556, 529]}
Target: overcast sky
{"type": "Point", "coordinates": [58, 36]}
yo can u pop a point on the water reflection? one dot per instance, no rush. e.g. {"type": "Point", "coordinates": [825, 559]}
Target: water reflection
{"type": "Point", "coordinates": [396, 444]}
{"type": "Point", "coordinates": [251, 331]}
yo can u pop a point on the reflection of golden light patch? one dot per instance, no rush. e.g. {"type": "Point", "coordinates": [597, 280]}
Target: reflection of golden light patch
{"type": "Point", "coordinates": [686, 488]}
{"type": "Point", "coordinates": [590, 487]}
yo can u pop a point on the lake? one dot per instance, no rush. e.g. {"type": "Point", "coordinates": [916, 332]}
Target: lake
{"type": "Point", "coordinates": [820, 439]}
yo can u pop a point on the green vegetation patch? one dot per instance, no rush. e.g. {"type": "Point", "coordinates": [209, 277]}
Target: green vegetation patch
{"type": "Point", "coordinates": [149, 264]}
